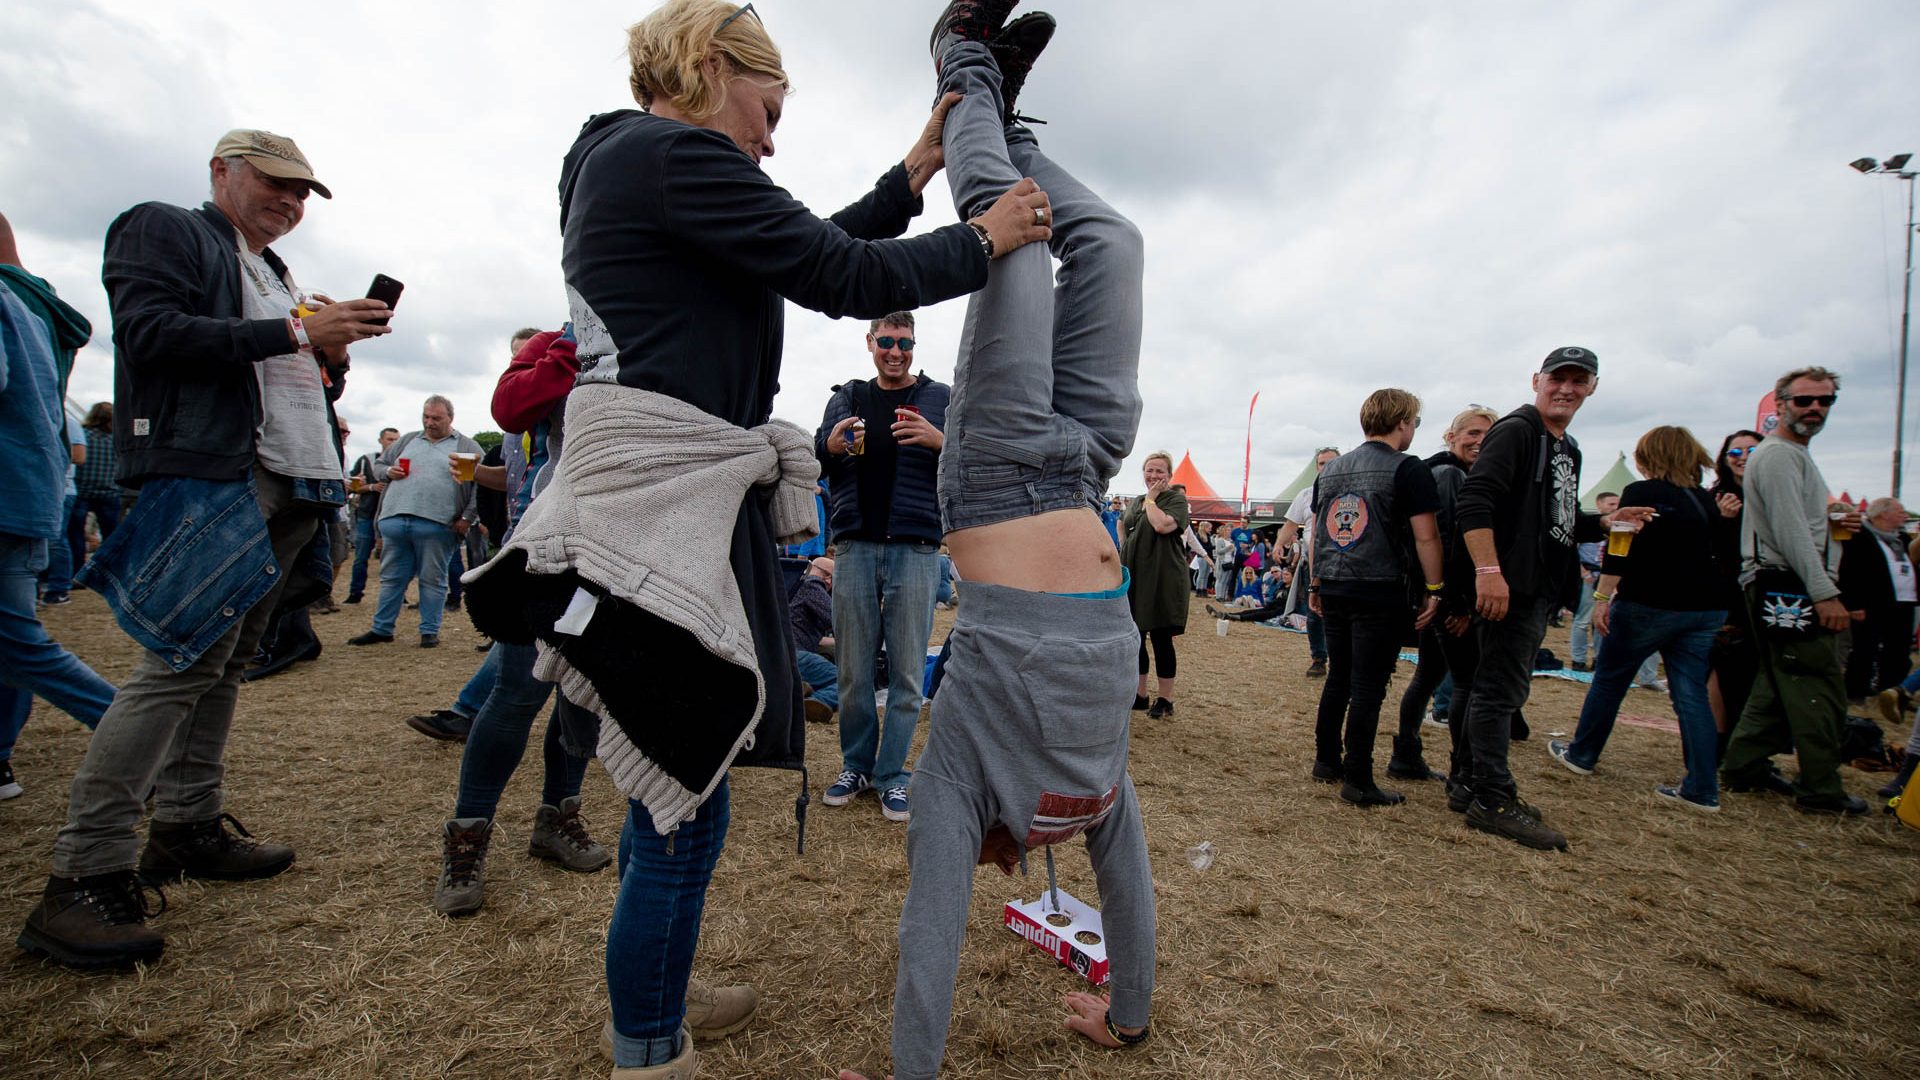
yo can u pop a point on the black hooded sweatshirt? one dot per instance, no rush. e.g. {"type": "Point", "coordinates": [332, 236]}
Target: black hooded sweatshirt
{"type": "Point", "coordinates": [1532, 506]}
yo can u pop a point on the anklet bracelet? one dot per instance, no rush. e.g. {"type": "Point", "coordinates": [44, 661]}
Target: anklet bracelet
{"type": "Point", "coordinates": [1123, 1039]}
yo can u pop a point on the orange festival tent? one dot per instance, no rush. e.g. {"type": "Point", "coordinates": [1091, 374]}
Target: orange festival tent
{"type": "Point", "coordinates": [1203, 503]}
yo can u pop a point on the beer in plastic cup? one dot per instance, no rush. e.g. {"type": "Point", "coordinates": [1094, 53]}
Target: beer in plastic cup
{"type": "Point", "coordinates": [856, 437]}
{"type": "Point", "coordinates": [1837, 530]}
{"type": "Point", "coordinates": [1620, 538]}
{"type": "Point", "coordinates": [463, 466]}
{"type": "Point", "coordinates": [356, 484]}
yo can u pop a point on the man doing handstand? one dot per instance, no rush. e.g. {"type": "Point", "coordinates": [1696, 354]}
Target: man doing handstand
{"type": "Point", "coordinates": [1027, 740]}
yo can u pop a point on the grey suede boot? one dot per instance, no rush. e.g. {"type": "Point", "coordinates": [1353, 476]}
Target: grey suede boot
{"type": "Point", "coordinates": [560, 835]}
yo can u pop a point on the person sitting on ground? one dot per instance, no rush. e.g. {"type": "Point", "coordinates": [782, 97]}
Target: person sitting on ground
{"type": "Point", "coordinates": [810, 621]}
{"type": "Point", "coordinates": [1247, 594]}
{"type": "Point", "coordinates": [1040, 424]}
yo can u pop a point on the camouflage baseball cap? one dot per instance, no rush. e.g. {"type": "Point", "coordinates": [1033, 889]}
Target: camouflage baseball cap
{"type": "Point", "coordinates": [275, 155]}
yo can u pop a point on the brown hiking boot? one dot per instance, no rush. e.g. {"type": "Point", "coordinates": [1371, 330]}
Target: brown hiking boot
{"type": "Point", "coordinates": [560, 835]}
{"type": "Point", "coordinates": [1510, 821]}
{"type": "Point", "coordinates": [95, 921]}
{"type": "Point", "coordinates": [209, 850]}
{"type": "Point", "coordinates": [463, 866]}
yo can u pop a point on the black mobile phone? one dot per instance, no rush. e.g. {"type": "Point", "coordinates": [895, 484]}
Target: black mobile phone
{"type": "Point", "coordinates": [387, 291]}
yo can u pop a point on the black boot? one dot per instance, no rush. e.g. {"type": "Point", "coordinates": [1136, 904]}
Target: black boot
{"type": "Point", "coordinates": [207, 849]}
{"type": "Point", "coordinates": [1014, 49]}
{"type": "Point", "coordinates": [967, 20]}
{"type": "Point", "coordinates": [1898, 784]}
{"type": "Point", "coordinates": [1409, 762]}
{"type": "Point", "coordinates": [96, 921]}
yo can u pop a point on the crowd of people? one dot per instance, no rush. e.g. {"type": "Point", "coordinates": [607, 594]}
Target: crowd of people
{"type": "Point", "coordinates": [643, 495]}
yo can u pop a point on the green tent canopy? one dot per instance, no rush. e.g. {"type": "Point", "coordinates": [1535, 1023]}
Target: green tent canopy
{"type": "Point", "coordinates": [1300, 483]}
{"type": "Point", "coordinates": [1615, 480]}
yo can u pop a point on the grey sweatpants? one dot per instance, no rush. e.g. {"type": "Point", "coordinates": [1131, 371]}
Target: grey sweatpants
{"type": "Point", "coordinates": [1029, 730]}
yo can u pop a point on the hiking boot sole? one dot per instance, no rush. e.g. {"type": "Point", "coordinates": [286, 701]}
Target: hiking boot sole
{"type": "Point", "coordinates": [34, 942]}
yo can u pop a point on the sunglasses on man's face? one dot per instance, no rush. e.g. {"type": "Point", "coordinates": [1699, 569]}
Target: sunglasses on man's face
{"type": "Point", "coordinates": [905, 343]}
{"type": "Point", "coordinates": [1805, 401]}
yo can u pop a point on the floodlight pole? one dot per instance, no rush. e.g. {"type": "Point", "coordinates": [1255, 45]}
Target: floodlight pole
{"type": "Point", "coordinates": [1896, 166]}
{"type": "Point", "coordinates": [1906, 319]}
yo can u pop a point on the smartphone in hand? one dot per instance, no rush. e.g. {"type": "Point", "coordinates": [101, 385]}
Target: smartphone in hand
{"type": "Point", "coordinates": [387, 291]}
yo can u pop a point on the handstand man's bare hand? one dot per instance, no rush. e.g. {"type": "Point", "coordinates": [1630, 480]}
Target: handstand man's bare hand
{"type": "Point", "coordinates": [1090, 1019]}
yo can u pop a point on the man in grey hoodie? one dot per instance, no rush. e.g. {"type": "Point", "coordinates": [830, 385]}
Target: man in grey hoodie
{"type": "Point", "coordinates": [1800, 699]}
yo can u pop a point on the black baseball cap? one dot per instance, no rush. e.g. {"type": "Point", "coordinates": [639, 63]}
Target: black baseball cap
{"type": "Point", "coordinates": [1571, 356]}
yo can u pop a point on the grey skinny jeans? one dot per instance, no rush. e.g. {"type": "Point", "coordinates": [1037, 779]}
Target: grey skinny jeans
{"type": "Point", "coordinates": [167, 731]}
{"type": "Point", "coordinates": [1025, 437]}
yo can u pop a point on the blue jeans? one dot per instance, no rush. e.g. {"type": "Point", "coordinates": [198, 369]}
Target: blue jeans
{"type": "Point", "coordinates": [1683, 638]}
{"type": "Point", "coordinates": [1580, 638]}
{"type": "Point", "coordinates": [30, 662]}
{"type": "Point", "coordinates": [60, 563]}
{"type": "Point", "coordinates": [498, 738]}
{"type": "Point", "coordinates": [473, 696]}
{"type": "Point", "coordinates": [413, 547]}
{"type": "Point", "coordinates": [656, 925]}
{"type": "Point", "coordinates": [881, 592]}
{"type": "Point", "coordinates": [105, 508]}
{"type": "Point", "coordinates": [365, 532]}
{"type": "Point", "coordinates": [821, 677]}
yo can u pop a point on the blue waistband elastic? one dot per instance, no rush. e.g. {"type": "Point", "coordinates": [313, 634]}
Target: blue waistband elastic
{"type": "Point", "coordinates": [1126, 578]}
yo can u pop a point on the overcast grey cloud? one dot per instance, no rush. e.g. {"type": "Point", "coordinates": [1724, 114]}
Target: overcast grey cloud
{"type": "Point", "coordinates": [1335, 197]}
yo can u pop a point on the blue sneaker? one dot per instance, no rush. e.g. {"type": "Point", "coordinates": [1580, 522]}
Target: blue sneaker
{"type": "Point", "coordinates": [893, 803]}
{"type": "Point", "coordinates": [844, 787]}
{"type": "Point", "coordinates": [1558, 748]}
{"type": "Point", "coordinates": [1671, 793]}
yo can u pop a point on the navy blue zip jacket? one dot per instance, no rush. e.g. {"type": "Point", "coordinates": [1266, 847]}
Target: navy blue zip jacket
{"type": "Point", "coordinates": [915, 511]}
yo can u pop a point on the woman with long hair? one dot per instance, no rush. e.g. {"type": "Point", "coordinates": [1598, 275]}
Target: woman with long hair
{"type": "Point", "coordinates": [1661, 594]}
{"type": "Point", "coordinates": [1734, 663]}
{"type": "Point", "coordinates": [654, 547]}
{"type": "Point", "coordinates": [1153, 551]}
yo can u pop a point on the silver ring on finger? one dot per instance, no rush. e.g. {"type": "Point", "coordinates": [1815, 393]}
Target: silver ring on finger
{"type": "Point", "coordinates": [1039, 215]}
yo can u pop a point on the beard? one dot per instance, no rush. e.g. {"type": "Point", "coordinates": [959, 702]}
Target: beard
{"type": "Point", "coordinates": [1807, 427]}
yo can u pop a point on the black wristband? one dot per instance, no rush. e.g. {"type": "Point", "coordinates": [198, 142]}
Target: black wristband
{"type": "Point", "coordinates": [1122, 1038]}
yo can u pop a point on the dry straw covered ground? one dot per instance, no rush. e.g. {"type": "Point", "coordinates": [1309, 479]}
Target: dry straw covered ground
{"type": "Point", "coordinates": [1323, 941]}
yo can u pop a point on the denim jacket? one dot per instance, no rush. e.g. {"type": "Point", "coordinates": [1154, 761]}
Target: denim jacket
{"type": "Point", "coordinates": [194, 556]}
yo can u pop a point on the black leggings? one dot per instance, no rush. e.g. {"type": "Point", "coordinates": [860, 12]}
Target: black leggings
{"type": "Point", "coordinates": [1164, 661]}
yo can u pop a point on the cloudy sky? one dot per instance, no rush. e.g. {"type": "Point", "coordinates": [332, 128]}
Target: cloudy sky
{"type": "Point", "coordinates": [1335, 197]}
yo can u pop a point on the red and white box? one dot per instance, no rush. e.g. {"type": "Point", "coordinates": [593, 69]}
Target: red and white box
{"type": "Point", "coordinates": [1069, 932]}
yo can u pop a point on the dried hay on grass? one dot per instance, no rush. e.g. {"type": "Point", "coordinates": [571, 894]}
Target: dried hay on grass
{"type": "Point", "coordinates": [1323, 941]}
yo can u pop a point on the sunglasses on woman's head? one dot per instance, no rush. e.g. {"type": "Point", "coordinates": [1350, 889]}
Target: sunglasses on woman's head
{"type": "Point", "coordinates": [905, 343]}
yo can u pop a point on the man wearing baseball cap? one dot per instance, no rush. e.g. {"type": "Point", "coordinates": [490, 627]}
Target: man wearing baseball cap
{"type": "Point", "coordinates": [1519, 520]}
{"type": "Point", "coordinates": [223, 419]}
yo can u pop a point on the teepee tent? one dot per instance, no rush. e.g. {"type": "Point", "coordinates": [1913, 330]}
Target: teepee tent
{"type": "Point", "coordinates": [1202, 503]}
{"type": "Point", "coordinates": [1615, 480]}
{"type": "Point", "coordinates": [1300, 483]}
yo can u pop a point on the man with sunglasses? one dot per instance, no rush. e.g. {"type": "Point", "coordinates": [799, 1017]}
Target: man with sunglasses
{"type": "Point", "coordinates": [1800, 699]}
{"type": "Point", "coordinates": [879, 448]}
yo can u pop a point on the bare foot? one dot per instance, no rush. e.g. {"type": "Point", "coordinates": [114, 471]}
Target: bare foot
{"type": "Point", "coordinates": [1090, 1019]}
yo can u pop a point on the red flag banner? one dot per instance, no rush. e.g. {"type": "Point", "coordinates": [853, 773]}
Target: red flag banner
{"type": "Point", "coordinates": [1767, 417]}
{"type": "Point", "coordinates": [1246, 469]}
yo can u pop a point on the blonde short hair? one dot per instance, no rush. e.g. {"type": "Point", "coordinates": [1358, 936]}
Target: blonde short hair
{"type": "Point", "coordinates": [668, 51]}
{"type": "Point", "coordinates": [1672, 454]}
{"type": "Point", "coordinates": [1385, 410]}
{"type": "Point", "coordinates": [1158, 455]}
